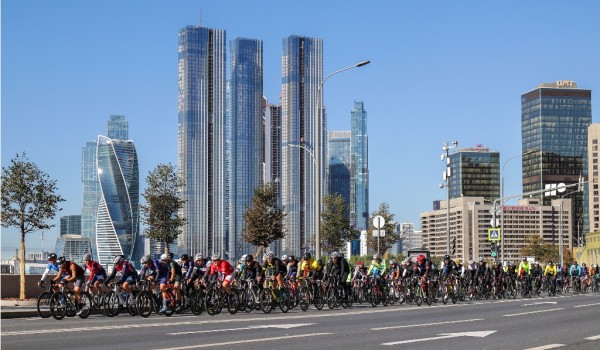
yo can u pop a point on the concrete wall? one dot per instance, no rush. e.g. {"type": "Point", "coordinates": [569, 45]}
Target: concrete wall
{"type": "Point", "coordinates": [11, 284]}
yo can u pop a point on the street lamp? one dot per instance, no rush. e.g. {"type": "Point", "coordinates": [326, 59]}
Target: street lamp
{"type": "Point", "coordinates": [446, 176]}
{"type": "Point", "coordinates": [318, 152]}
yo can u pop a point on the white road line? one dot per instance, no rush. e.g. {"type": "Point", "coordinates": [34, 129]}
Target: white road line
{"type": "Point", "coordinates": [587, 305]}
{"type": "Point", "coordinates": [596, 337]}
{"type": "Point", "coordinates": [244, 341]}
{"type": "Point", "coordinates": [545, 347]}
{"type": "Point", "coordinates": [533, 312]}
{"type": "Point", "coordinates": [427, 324]}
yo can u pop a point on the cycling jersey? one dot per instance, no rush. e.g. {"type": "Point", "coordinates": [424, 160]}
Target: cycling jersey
{"type": "Point", "coordinates": [50, 267]}
{"type": "Point", "coordinates": [97, 272]}
{"type": "Point", "coordinates": [188, 266]}
{"type": "Point", "coordinates": [128, 272]}
{"type": "Point", "coordinates": [253, 271]}
{"type": "Point", "coordinates": [449, 268]}
{"type": "Point", "coordinates": [70, 268]}
{"type": "Point", "coordinates": [221, 266]}
{"type": "Point", "coordinates": [524, 268]}
{"type": "Point", "coordinates": [575, 271]}
{"type": "Point", "coordinates": [292, 269]}
{"type": "Point", "coordinates": [158, 268]}
{"type": "Point", "coordinates": [550, 270]}
{"type": "Point", "coordinates": [377, 268]}
{"type": "Point", "coordinates": [278, 266]}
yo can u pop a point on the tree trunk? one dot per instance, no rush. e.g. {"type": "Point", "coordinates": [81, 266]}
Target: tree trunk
{"type": "Point", "coordinates": [257, 251]}
{"type": "Point", "coordinates": [166, 248]}
{"type": "Point", "coordinates": [22, 267]}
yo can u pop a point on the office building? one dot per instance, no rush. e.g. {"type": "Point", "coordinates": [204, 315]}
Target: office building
{"type": "Point", "coordinates": [302, 73]}
{"type": "Point", "coordinates": [246, 141]}
{"type": "Point", "coordinates": [117, 128]}
{"type": "Point", "coordinates": [338, 164]}
{"type": "Point", "coordinates": [554, 126]}
{"type": "Point", "coordinates": [594, 179]}
{"type": "Point", "coordinates": [202, 140]}
{"type": "Point", "coordinates": [91, 194]}
{"type": "Point", "coordinates": [117, 225]}
{"type": "Point", "coordinates": [475, 173]}
{"type": "Point", "coordinates": [359, 168]}
{"type": "Point", "coordinates": [73, 248]}
{"type": "Point", "coordinates": [70, 225]}
{"type": "Point", "coordinates": [411, 239]}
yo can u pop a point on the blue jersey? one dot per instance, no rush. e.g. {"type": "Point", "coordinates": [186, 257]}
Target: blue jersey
{"type": "Point", "coordinates": [158, 268]}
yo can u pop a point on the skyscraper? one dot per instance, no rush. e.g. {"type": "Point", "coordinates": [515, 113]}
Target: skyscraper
{"type": "Point", "coordinates": [338, 164]}
{"type": "Point", "coordinates": [475, 173]}
{"type": "Point", "coordinates": [302, 73]}
{"type": "Point", "coordinates": [359, 168]}
{"type": "Point", "coordinates": [91, 194]}
{"type": "Point", "coordinates": [117, 128]}
{"type": "Point", "coordinates": [70, 225]}
{"type": "Point", "coordinates": [554, 128]}
{"type": "Point", "coordinates": [117, 225]}
{"type": "Point", "coordinates": [202, 140]}
{"type": "Point", "coordinates": [593, 177]}
{"type": "Point", "coordinates": [246, 140]}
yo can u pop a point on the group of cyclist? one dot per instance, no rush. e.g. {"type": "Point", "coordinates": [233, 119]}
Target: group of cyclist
{"type": "Point", "coordinates": [182, 277]}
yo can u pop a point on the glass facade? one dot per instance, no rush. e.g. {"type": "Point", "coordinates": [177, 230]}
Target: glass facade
{"type": "Point", "coordinates": [70, 225]}
{"type": "Point", "coordinates": [302, 73]}
{"type": "Point", "coordinates": [202, 145]}
{"type": "Point", "coordinates": [117, 225]}
{"type": "Point", "coordinates": [246, 141]}
{"type": "Point", "coordinates": [554, 123]}
{"type": "Point", "coordinates": [91, 194]}
{"type": "Point", "coordinates": [475, 173]}
{"type": "Point", "coordinates": [338, 166]}
{"type": "Point", "coordinates": [117, 128]}
{"type": "Point", "coordinates": [73, 248]}
{"type": "Point", "coordinates": [359, 168]}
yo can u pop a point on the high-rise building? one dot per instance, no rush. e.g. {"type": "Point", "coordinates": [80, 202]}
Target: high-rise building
{"type": "Point", "coordinates": [302, 73]}
{"type": "Point", "coordinates": [475, 173]}
{"type": "Point", "coordinates": [70, 225]}
{"type": "Point", "coordinates": [117, 128]}
{"type": "Point", "coordinates": [202, 140]}
{"type": "Point", "coordinates": [73, 247]}
{"type": "Point", "coordinates": [554, 128]}
{"type": "Point", "coordinates": [91, 194]}
{"type": "Point", "coordinates": [594, 178]}
{"type": "Point", "coordinates": [338, 164]}
{"type": "Point", "coordinates": [272, 147]}
{"type": "Point", "coordinates": [117, 225]}
{"type": "Point", "coordinates": [359, 168]}
{"type": "Point", "coordinates": [246, 135]}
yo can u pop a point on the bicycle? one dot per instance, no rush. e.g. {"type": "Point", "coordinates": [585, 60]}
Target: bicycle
{"type": "Point", "coordinates": [273, 295]}
{"type": "Point", "coordinates": [116, 300]}
{"type": "Point", "coordinates": [63, 303]}
{"type": "Point", "coordinates": [43, 301]}
{"type": "Point", "coordinates": [216, 298]}
{"type": "Point", "coordinates": [149, 300]}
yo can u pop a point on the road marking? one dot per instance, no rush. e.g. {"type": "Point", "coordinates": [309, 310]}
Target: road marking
{"type": "Point", "coordinates": [244, 341]}
{"type": "Point", "coordinates": [545, 347]}
{"type": "Point", "coordinates": [596, 337]}
{"type": "Point", "coordinates": [540, 303]}
{"type": "Point", "coordinates": [426, 325]}
{"type": "Point", "coordinates": [533, 312]}
{"type": "Point", "coordinates": [480, 334]}
{"type": "Point", "coordinates": [280, 326]}
{"type": "Point", "coordinates": [587, 305]}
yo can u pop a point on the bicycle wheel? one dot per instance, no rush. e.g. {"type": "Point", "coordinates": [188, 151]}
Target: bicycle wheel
{"type": "Point", "coordinates": [144, 303]}
{"type": "Point", "coordinates": [111, 304]}
{"type": "Point", "coordinates": [418, 300]}
{"type": "Point", "coordinates": [318, 298]}
{"type": "Point", "coordinates": [266, 300]}
{"type": "Point", "coordinates": [331, 297]}
{"type": "Point", "coordinates": [211, 303]}
{"type": "Point", "coordinates": [284, 300]}
{"type": "Point", "coordinates": [58, 306]}
{"type": "Point", "coordinates": [85, 305]}
{"type": "Point", "coordinates": [242, 300]}
{"type": "Point", "coordinates": [197, 302]}
{"type": "Point", "coordinates": [304, 299]}
{"type": "Point", "coordinates": [43, 305]}
{"type": "Point", "coordinates": [232, 302]}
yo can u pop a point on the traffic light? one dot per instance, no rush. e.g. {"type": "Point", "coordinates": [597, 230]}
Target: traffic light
{"type": "Point", "coordinates": [493, 249]}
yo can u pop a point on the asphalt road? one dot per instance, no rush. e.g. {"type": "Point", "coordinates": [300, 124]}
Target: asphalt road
{"type": "Point", "coordinates": [543, 323]}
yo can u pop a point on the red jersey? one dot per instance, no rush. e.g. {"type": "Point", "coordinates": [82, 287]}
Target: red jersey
{"type": "Point", "coordinates": [223, 266]}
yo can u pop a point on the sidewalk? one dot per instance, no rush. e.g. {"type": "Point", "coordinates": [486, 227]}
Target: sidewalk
{"type": "Point", "coordinates": [18, 309]}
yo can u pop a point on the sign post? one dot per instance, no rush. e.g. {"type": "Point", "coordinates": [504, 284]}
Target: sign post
{"type": "Point", "coordinates": [378, 222]}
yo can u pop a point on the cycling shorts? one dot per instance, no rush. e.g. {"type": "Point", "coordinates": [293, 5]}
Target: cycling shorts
{"type": "Point", "coordinates": [98, 277]}
{"type": "Point", "coordinates": [230, 278]}
{"type": "Point", "coordinates": [78, 282]}
{"type": "Point", "coordinates": [163, 280]}
{"type": "Point", "coordinates": [177, 279]}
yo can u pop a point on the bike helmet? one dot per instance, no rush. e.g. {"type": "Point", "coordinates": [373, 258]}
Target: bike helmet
{"type": "Point", "coordinates": [375, 256]}
{"type": "Point", "coordinates": [52, 256]}
{"type": "Point", "coordinates": [249, 258]}
{"type": "Point", "coordinates": [244, 257]}
{"type": "Point", "coordinates": [185, 257]}
{"type": "Point", "coordinates": [61, 260]}
{"type": "Point", "coordinates": [550, 263]}
{"type": "Point", "coordinates": [199, 257]}
{"type": "Point", "coordinates": [359, 263]}
{"type": "Point", "coordinates": [87, 257]}
{"type": "Point", "coordinates": [307, 256]}
{"type": "Point", "coordinates": [392, 261]}
{"type": "Point", "coordinates": [171, 256]}
{"type": "Point", "coordinates": [284, 258]}
{"type": "Point", "coordinates": [270, 255]}
{"type": "Point", "coordinates": [145, 259]}
{"type": "Point", "coordinates": [164, 257]}
{"type": "Point", "coordinates": [446, 257]}
{"type": "Point", "coordinates": [524, 258]}
{"type": "Point", "coordinates": [420, 259]}
{"type": "Point", "coordinates": [117, 259]}
{"type": "Point", "coordinates": [481, 259]}
{"type": "Point", "coordinates": [335, 254]}
{"type": "Point", "coordinates": [583, 265]}
{"type": "Point", "coordinates": [216, 256]}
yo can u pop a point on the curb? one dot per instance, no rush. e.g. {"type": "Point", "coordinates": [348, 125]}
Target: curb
{"type": "Point", "coordinates": [18, 314]}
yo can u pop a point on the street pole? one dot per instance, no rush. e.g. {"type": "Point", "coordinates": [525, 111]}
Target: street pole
{"type": "Point", "coordinates": [560, 234]}
{"type": "Point", "coordinates": [447, 174]}
{"type": "Point", "coordinates": [318, 150]}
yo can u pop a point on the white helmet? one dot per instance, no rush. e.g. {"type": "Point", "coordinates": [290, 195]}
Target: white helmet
{"type": "Point", "coordinates": [164, 257]}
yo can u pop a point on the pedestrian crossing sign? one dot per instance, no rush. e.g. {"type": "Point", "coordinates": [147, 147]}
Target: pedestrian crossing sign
{"type": "Point", "coordinates": [493, 234]}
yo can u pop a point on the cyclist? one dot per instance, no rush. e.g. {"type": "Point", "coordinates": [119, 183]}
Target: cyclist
{"type": "Point", "coordinates": [175, 276]}
{"type": "Point", "coordinates": [575, 273]}
{"type": "Point", "coordinates": [69, 271]}
{"type": "Point", "coordinates": [550, 273]}
{"type": "Point", "coordinates": [394, 270]}
{"type": "Point", "coordinates": [225, 269]}
{"type": "Point", "coordinates": [449, 267]}
{"type": "Point", "coordinates": [292, 268]}
{"type": "Point", "coordinates": [253, 270]}
{"type": "Point", "coordinates": [498, 276]}
{"type": "Point", "coordinates": [198, 271]}
{"type": "Point", "coordinates": [308, 267]}
{"type": "Point", "coordinates": [97, 274]}
{"type": "Point", "coordinates": [536, 274]}
{"type": "Point", "coordinates": [278, 268]}
{"type": "Point", "coordinates": [524, 268]}
{"type": "Point", "coordinates": [157, 270]}
{"type": "Point", "coordinates": [377, 269]}
{"type": "Point", "coordinates": [52, 266]}
{"type": "Point", "coordinates": [128, 273]}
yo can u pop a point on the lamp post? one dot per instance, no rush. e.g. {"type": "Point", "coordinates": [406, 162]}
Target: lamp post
{"type": "Point", "coordinates": [318, 151]}
{"type": "Point", "coordinates": [447, 174]}
{"type": "Point", "coordinates": [502, 206]}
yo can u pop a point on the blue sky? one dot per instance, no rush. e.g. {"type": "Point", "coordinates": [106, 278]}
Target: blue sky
{"type": "Point", "coordinates": [441, 70]}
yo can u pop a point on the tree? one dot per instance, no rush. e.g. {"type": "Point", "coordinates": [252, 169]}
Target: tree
{"type": "Point", "coordinates": [263, 220]}
{"type": "Point", "coordinates": [29, 200]}
{"type": "Point", "coordinates": [335, 225]}
{"type": "Point", "coordinates": [163, 202]}
{"type": "Point", "coordinates": [543, 251]}
{"type": "Point", "coordinates": [391, 237]}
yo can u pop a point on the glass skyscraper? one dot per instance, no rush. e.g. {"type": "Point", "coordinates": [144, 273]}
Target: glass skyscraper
{"type": "Point", "coordinates": [202, 140]}
{"type": "Point", "coordinates": [117, 128]}
{"type": "Point", "coordinates": [338, 164]}
{"type": "Point", "coordinates": [246, 135]}
{"type": "Point", "coordinates": [70, 225]}
{"type": "Point", "coordinates": [359, 168]}
{"type": "Point", "coordinates": [554, 128]}
{"type": "Point", "coordinates": [475, 173]}
{"type": "Point", "coordinates": [117, 225]}
{"type": "Point", "coordinates": [302, 73]}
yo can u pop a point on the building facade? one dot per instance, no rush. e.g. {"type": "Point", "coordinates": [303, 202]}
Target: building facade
{"type": "Point", "coordinates": [411, 239]}
{"type": "Point", "coordinates": [338, 164]}
{"type": "Point", "coordinates": [470, 220]}
{"type": "Point", "coordinates": [91, 194]}
{"type": "Point", "coordinates": [117, 225]}
{"type": "Point", "coordinates": [202, 140]}
{"type": "Point", "coordinates": [594, 179]}
{"type": "Point", "coordinates": [475, 173]}
{"type": "Point", "coordinates": [359, 168]}
{"type": "Point", "coordinates": [246, 136]}
{"type": "Point", "coordinates": [70, 225]}
{"type": "Point", "coordinates": [302, 74]}
{"type": "Point", "coordinates": [117, 128]}
{"type": "Point", "coordinates": [73, 248]}
{"type": "Point", "coordinates": [554, 128]}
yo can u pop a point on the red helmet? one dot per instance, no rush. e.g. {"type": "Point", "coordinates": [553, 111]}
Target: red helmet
{"type": "Point", "coordinates": [358, 263]}
{"type": "Point", "coordinates": [420, 259]}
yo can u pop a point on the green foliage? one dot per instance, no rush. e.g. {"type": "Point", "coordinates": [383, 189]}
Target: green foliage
{"type": "Point", "coordinates": [335, 225]}
{"type": "Point", "coordinates": [391, 237]}
{"type": "Point", "coordinates": [163, 202]}
{"type": "Point", "coordinates": [544, 251]}
{"type": "Point", "coordinates": [263, 220]}
{"type": "Point", "coordinates": [368, 258]}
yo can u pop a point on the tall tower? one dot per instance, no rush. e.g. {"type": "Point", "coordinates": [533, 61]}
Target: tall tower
{"type": "Point", "coordinates": [117, 128]}
{"type": "Point", "coordinates": [202, 140]}
{"type": "Point", "coordinates": [302, 73]}
{"type": "Point", "coordinates": [594, 159]}
{"type": "Point", "coordinates": [554, 130]}
{"type": "Point", "coordinates": [246, 141]}
{"type": "Point", "coordinates": [91, 194]}
{"type": "Point", "coordinates": [359, 168]}
{"type": "Point", "coordinates": [338, 164]}
{"type": "Point", "coordinates": [117, 226]}
{"type": "Point", "coordinates": [475, 173]}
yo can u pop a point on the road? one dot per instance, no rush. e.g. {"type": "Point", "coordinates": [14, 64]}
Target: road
{"type": "Point", "coordinates": [542, 323]}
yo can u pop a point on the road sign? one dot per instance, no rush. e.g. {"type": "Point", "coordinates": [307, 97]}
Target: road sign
{"type": "Point", "coordinates": [378, 221]}
{"type": "Point", "coordinates": [494, 224]}
{"type": "Point", "coordinates": [378, 233]}
{"type": "Point", "coordinates": [493, 234]}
